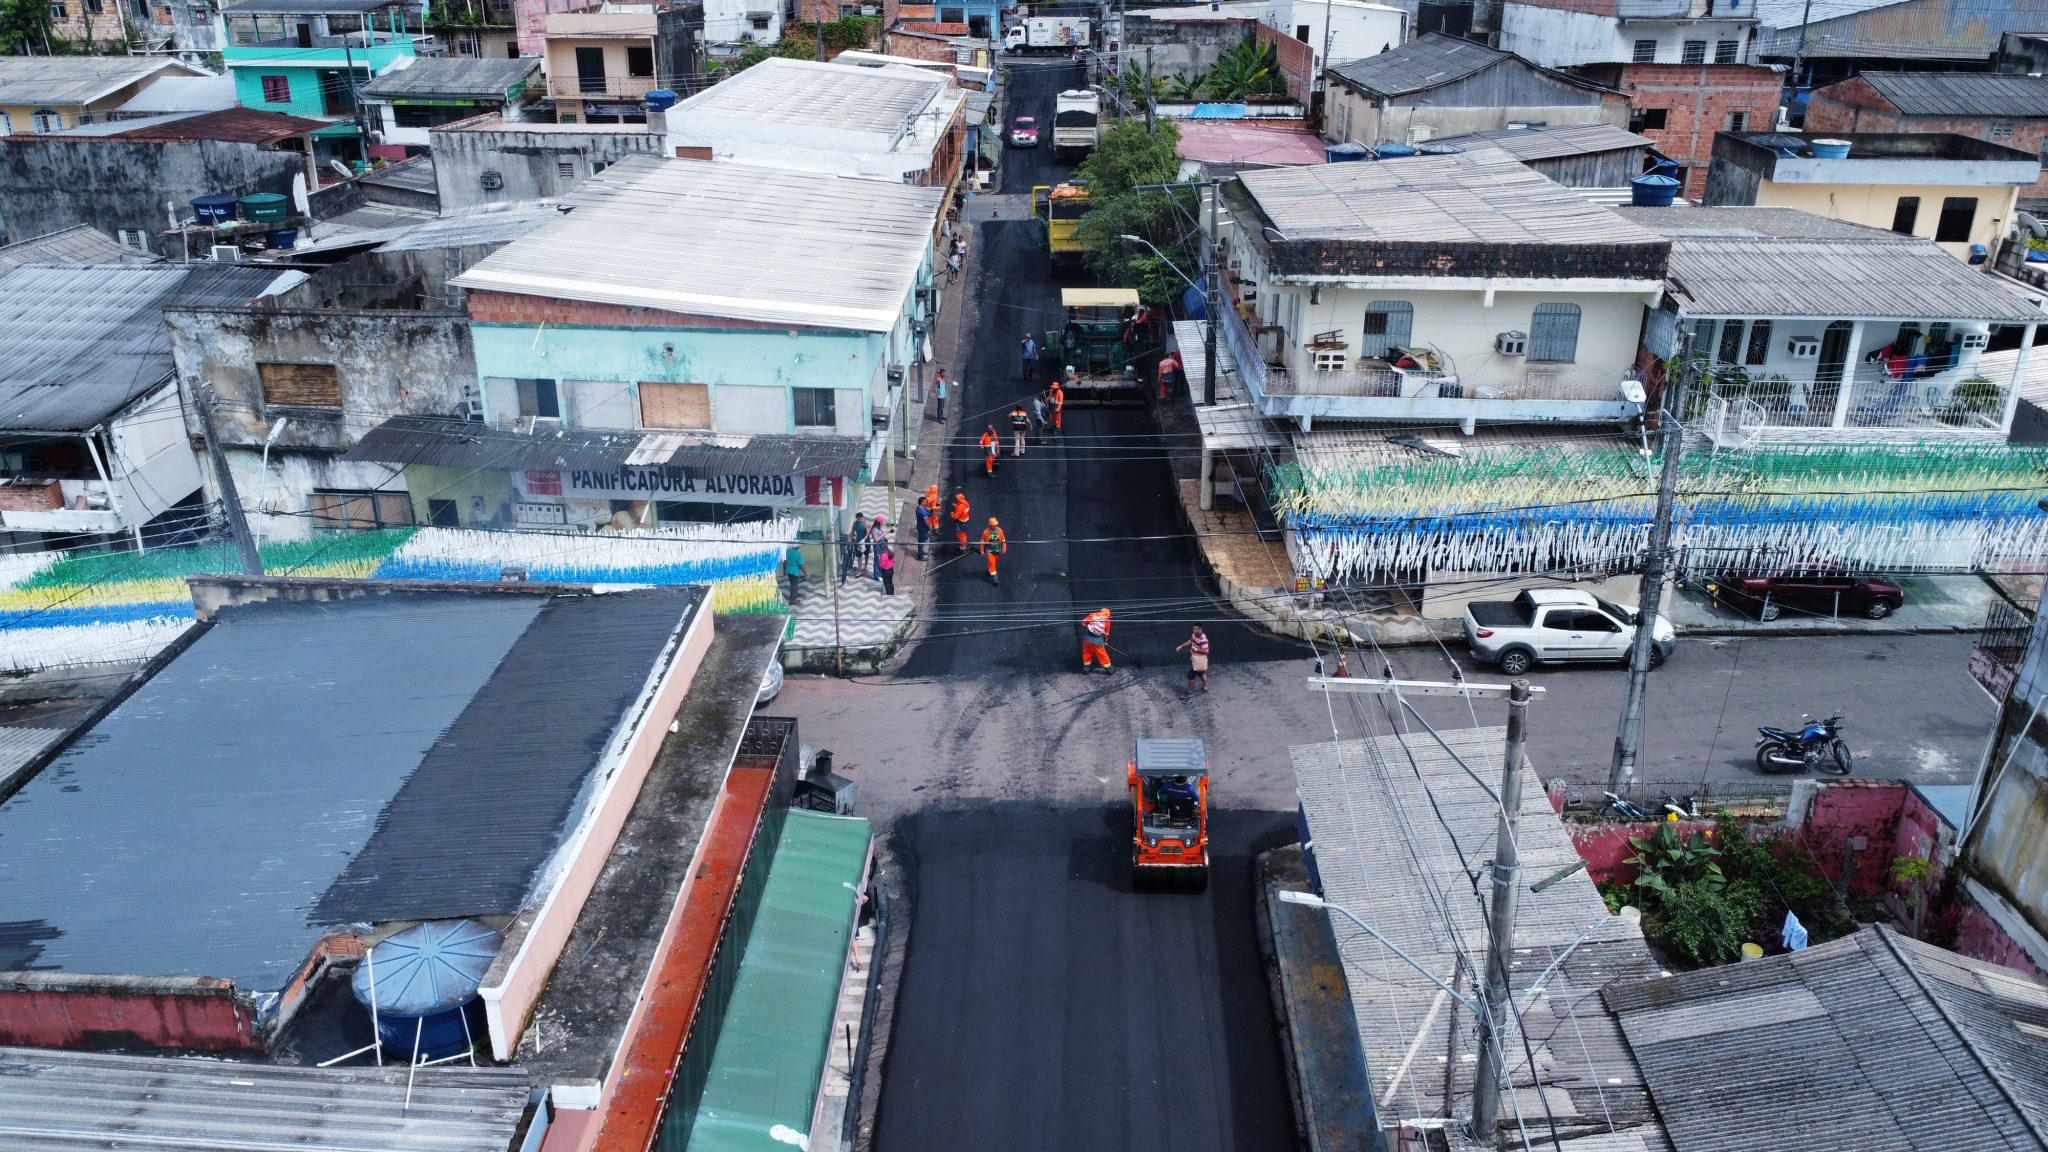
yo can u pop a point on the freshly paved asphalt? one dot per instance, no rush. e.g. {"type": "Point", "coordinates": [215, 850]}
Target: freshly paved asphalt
{"type": "Point", "coordinates": [1045, 1005]}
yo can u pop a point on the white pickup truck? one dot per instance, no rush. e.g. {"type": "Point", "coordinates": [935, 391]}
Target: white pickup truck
{"type": "Point", "coordinates": [1556, 625]}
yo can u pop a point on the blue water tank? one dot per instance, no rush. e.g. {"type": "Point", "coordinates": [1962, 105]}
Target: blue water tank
{"type": "Point", "coordinates": [1343, 153]}
{"type": "Point", "coordinates": [660, 100]}
{"type": "Point", "coordinates": [1660, 166]}
{"type": "Point", "coordinates": [214, 209]}
{"type": "Point", "coordinates": [426, 980]}
{"type": "Point", "coordinates": [1439, 149]}
{"type": "Point", "coordinates": [1829, 149]}
{"type": "Point", "coordinates": [1393, 151]}
{"type": "Point", "coordinates": [1652, 191]}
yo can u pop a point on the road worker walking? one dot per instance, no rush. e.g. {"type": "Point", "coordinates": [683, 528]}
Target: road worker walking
{"type": "Point", "coordinates": [960, 517]}
{"type": "Point", "coordinates": [1095, 639]}
{"type": "Point", "coordinates": [990, 448]}
{"type": "Point", "coordinates": [993, 544]}
{"type": "Point", "coordinates": [1057, 397]}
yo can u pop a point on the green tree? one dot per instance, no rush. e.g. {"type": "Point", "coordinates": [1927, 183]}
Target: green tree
{"type": "Point", "coordinates": [24, 26]}
{"type": "Point", "coordinates": [1126, 158]}
{"type": "Point", "coordinates": [1244, 71]}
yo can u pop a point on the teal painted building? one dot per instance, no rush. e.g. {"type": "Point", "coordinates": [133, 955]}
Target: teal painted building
{"type": "Point", "coordinates": [310, 57]}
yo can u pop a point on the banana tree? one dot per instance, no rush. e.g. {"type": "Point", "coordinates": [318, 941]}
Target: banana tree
{"type": "Point", "coordinates": [1244, 71]}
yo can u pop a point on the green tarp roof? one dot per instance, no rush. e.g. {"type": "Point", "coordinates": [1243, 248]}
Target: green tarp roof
{"type": "Point", "coordinates": [771, 1048]}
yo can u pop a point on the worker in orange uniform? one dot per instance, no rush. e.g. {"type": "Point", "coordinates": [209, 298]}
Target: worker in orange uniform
{"type": "Point", "coordinates": [960, 517]}
{"type": "Point", "coordinates": [1057, 396]}
{"type": "Point", "coordinates": [1095, 639]}
{"type": "Point", "coordinates": [989, 445]}
{"type": "Point", "coordinates": [993, 544]}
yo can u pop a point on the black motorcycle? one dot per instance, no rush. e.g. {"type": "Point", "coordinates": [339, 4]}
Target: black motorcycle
{"type": "Point", "coordinates": [1818, 744]}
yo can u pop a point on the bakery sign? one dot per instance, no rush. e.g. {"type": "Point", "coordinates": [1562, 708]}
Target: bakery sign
{"type": "Point", "coordinates": [666, 482]}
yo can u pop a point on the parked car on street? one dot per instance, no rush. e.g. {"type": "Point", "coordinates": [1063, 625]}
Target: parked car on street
{"type": "Point", "coordinates": [1827, 595]}
{"type": "Point", "coordinates": [1556, 625]}
{"type": "Point", "coordinates": [1024, 132]}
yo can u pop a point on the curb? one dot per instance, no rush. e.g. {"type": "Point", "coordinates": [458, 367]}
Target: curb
{"type": "Point", "coordinates": [1277, 991]}
{"type": "Point", "coordinates": [874, 1061]}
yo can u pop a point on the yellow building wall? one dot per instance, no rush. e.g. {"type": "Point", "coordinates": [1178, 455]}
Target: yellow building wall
{"type": "Point", "coordinates": [1876, 204]}
{"type": "Point", "coordinates": [21, 117]}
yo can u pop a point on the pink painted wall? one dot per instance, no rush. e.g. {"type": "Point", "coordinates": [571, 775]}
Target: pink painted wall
{"type": "Point", "coordinates": [71, 1011]}
{"type": "Point", "coordinates": [1849, 808]}
{"type": "Point", "coordinates": [1605, 847]}
{"type": "Point", "coordinates": [511, 989]}
{"type": "Point", "coordinates": [1978, 936]}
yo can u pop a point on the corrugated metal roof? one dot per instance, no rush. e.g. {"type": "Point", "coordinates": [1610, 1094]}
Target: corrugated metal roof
{"type": "Point", "coordinates": [77, 79]}
{"type": "Point", "coordinates": [309, 7]}
{"type": "Point", "coordinates": [78, 244]}
{"type": "Point", "coordinates": [53, 1100]}
{"type": "Point", "coordinates": [1734, 270]}
{"type": "Point", "coordinates": [485, 226]}
{"type": "Point", "coordinates": [238, 125]}
{"type": "Point", "coordinates": [1998, 366]}
{"type": "Point", "coordinates": [770, 1056]}
{"type": "Point", "coordinates": [78, 342]}
{"type": "Point", "coordinates": [454, 76]}
{"type": "Point", "coordinates": [182, 94]}
{"type": "Point", "coordinates": [1428, 61]}
{"type": "Point", "coordinates": [1389, 817]}
{"type": "Point", "coordinates": [1961, 93]}
{"type": "Point", "coordinates": [1791, 13]}
{"type": "Point", "coordinates": [1551, 142]}
{"type": "Point", "coordinates": [403, 756]}
{"type": "Point", "coordinates": [807, 92]}
{"type": "Point", "coordinates": [1481, 196]}
{"type": "Point", "coordinates": [729, 240]}
{"type": "Point", "coordinates": [1898, 1044]}
{"type": "Point", "coordinates": [450, 443]}
{"type": "Point", "coordinates": [18, 746]}
{"type": "Point", "coordinates": [413, 175]}
{"type": "Point", "coordinates": [1230, 424]}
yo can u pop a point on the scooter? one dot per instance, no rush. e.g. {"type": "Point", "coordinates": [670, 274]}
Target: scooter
{"type": "Point", "coordinates": [1818, 744]}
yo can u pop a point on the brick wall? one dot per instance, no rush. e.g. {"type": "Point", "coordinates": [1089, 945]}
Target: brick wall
{"type": "Point", "coordinates": [1854, 106]}
{"type": "Point", "coordinates": [508, 308]}
{"type": "Point", "coordinates": [1297, 60]}
{"type": "Point", "coordinates": [1697, 100]}
{"type": "Point", "coordinates": [900, 42]}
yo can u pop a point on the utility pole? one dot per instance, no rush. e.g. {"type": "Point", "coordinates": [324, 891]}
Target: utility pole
{"type": "Point", "coordinates": [1799, 56]}
{"type": "Point", "coordinates": [1500, 928]}
{"type": "Point", "coordinates": [1316, 85]}
{"type": "Point", "coordinates": [1655, 565]}
{"type": "Point", "coordinates": [1148, 90]}
{"type": "Point", "coordinates": [230, 499]}
{"type": "Point", "coordinates": [1211, 303]}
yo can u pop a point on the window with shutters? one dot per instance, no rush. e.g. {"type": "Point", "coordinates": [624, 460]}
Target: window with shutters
{"type": "Point", "coordinates": [345, 510]}
{"type": "Point", "coordinates": [1759, 349]}
{"type": "Point", "coordinates": [1695, 52]}
{"type": "Point", "coordinates": [1389, 324]}
{"type": "Point", "coordinates": [299, 385]}
{"type": "Point", "coordinates": [276, 89]}
{"type": "Point", "coordinates": [675, 405]}
{"type": "Point", "coordinates": [1645, 52]}
{"type": "Point", "coordinates": [565, 169]}
{"type": "Point", "coordinates": [1554, 334]}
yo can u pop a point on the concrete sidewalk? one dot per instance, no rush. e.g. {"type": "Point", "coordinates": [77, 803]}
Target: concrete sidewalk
{"type": "Point", "coordinates": [1934, 604]}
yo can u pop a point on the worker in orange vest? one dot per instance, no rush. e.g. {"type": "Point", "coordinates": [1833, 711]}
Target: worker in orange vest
{"type": "Point", "coordinates": [993, 544]}
{"type": "Point", "coordinates": [1095, 639]}
{"type": "Point", "coordinates": [960, 517]}
{"type": "Point", "coordinates": [1058, 396]}
{"type": "Point", "coordinates": [989, 445]}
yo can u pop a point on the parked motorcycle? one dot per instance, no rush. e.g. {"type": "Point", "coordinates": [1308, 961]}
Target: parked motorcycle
{"type": "Point", "coordinates": [1818, 744]}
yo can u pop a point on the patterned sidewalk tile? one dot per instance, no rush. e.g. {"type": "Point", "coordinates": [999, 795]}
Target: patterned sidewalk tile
{"type": "Point", "coordinates": [866, 618]}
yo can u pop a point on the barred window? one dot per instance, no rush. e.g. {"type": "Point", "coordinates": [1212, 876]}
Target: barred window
{"type": "Point", "coordinates": [1554, 333]}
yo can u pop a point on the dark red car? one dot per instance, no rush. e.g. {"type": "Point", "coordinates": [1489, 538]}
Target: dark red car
{"type": "Point", "coordinates": [1823, 595]}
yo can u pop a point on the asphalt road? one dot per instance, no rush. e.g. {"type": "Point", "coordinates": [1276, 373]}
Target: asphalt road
{"type": "Point", "coordinates": [1044, 1005]}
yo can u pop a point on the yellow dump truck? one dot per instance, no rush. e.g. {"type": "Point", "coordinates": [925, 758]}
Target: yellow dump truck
{"type": "Point", "coordinates": [1059, 209]}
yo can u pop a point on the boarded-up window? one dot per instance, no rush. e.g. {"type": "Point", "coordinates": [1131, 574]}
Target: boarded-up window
{"type": "Point", "coordinates": [360, 510]}
{"type": "Point", "coordinates": [300, 385]}
{"type": "Point", "coordinates": [675, 406]}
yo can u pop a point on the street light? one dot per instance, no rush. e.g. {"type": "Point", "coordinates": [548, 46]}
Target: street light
{"type": "Point", "coordinates": [1208, 291]}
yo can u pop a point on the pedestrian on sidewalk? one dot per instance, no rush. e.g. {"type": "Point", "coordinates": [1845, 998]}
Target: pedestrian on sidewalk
{"type": "Point", "coordinates": [856, 547]}
{"type": "Point", "coordinates": [1020, 426]}
{"type": "Point", "coordinates": [1197, 648]}
{"type": "Point", "coordinates": [961, 515]}
{"type": "Point", "coordinates": [1030, 358]}
{"type": "Point", "coordinates": [793, 567]}
{"type": "Point", "coordinates": [953, 265]}
{"type": "Point", "coordinates": [942, 382]}
{"type": "Point", "coordinates": [991, 448]}
{"type": "Point", "coordinates": [993, 544]}
{"type": "Point", "coordinates": [878, 541]}
{"type": "Point", "coordinates": [927, 517]}
{"type": "Point", "coordinates": [885, 569]}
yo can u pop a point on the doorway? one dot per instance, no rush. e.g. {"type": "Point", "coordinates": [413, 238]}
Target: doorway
{"type": "Point", "coordinates": [590, 70]}
{"type": "Point", "coordinates": [1828, 373]}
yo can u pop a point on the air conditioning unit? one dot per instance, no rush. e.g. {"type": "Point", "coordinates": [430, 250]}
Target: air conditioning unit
{"type": "Point", "coordinates": [225, 254]}
{"type": "Point", "coordinates": [1803, 347]}
{"type": "Point", "coordinates": [1511, 344]}
{"type": "Point", "coordinates": [895, 373]}
{"type": "Point", "coordinates": [1976, 341]}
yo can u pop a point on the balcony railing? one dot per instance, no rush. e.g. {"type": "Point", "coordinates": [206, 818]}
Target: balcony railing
{"type": "Point", "coordinates": [1951, 405]}
{"type": "Point", "coordinates": [1394, 383]}
{"type": "Point", "coordinates": [600, 87]}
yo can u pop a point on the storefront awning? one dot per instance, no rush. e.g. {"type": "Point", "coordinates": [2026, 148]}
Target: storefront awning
{"type": "Point", "coordinates": [451, 443]}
